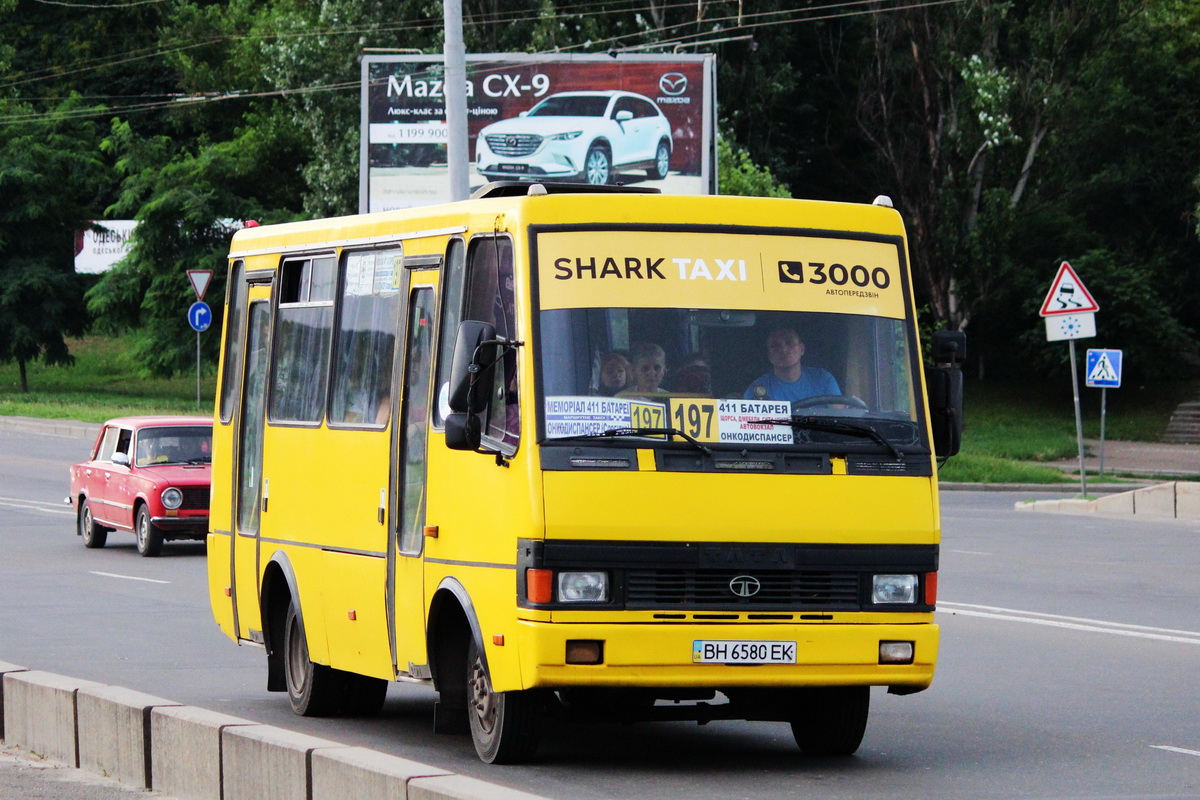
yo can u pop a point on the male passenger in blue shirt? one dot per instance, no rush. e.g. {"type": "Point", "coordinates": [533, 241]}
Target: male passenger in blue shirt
{"type": "Point", "coordinates": [788, 380]}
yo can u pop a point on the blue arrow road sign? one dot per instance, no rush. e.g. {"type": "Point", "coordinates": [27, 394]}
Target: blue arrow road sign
{"type": "Point", "coordinates": [199, 316]}
{"type": "Point", "coordinates": [1103, 369]}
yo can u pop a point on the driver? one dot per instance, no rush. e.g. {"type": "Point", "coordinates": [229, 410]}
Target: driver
{"type": "Point", "coordinates": [788, 380]}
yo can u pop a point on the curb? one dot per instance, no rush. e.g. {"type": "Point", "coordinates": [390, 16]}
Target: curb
{"type": "Point", "coordinates": [51, 427]}
{"type": "Point", "coordinates": [206, 755]}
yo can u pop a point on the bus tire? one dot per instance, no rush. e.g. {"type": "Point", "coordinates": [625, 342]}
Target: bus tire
{"type": "Point", "coordinates": [504, 725]}
{"type": "Point", "coordinates": [149, 538]}
{"type": "Point", "coordinates": [313, 689]}
{"type": "Point", "coordinates": [831, 721]}
{"type": "Point", "coordinates": [93, 535]}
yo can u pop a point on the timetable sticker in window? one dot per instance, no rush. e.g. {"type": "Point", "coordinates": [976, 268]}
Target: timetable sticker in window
{"type": "Point", "coordinates": [583, 416]}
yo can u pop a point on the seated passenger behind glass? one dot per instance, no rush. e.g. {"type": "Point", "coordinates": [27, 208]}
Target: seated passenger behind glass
{"type": "Point", "coordinates": [649, 366]}
{"type": "Point", "coordinates": [614, 373]}
{"type": "Point", "coordinates": [788, 380]}
{"type": "Point", "coordinates": [692, 377]}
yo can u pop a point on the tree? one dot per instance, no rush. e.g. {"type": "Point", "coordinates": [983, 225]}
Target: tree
{"type": "Point", "coordinates": [49, 174]}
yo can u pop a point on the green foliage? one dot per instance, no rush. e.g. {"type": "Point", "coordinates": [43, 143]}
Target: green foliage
{"type": "Point", "coordinates": [739, 175]}
{"type": "Point", "coordinates": [47, 171]}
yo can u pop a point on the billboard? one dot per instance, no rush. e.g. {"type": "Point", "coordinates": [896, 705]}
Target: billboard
{"type": "Point", "coordinates": [99, 250]}
{"type": "Point", "coordinates": [630, 119]}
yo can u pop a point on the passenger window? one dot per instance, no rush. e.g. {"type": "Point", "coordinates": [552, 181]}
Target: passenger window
{"type": "Point", "coordinates": [304, 324]}
{"type": "Point", "coordinates": [490, 298]}
{"type": "Point", "coordinates": [235, 292]}
{"type": "Point", "coordinates": [124, 439]}
{"type": "Point", "coordinates": [453, 276]}
{"type": "Point", "coordinates": [366, 342]}
{"type": "Point", "coordinates": [415, 421]}
{"type": "Point", "coordinates": [108, 444]}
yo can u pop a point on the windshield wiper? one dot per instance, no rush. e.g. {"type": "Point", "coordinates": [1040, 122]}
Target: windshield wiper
{"type": "Point", "coordinates": [204, 460]}
{"type": "Point", "coordinates": [615, 432]}
{"type": "Point", "coordinates": [799, 422]}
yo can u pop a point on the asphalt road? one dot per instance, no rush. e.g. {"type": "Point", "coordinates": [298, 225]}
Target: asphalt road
{"type": "Point", "coordinates": [1069, 665]}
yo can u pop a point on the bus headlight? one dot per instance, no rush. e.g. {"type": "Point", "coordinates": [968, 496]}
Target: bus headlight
{"type": "Point", "coordinates": [583, 587]}
{"type": "Point", "coordinates": [172, 498]}
{"type": "Point", "coordinates": [893, 589]}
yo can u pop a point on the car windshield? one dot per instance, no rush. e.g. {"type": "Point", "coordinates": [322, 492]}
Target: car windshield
{"type": "Point", "coordinates": [571, 106]}
{"type": "Point", "coordinates": [784, 367]}
{"type": "Point", "coordinates": [174, 445]}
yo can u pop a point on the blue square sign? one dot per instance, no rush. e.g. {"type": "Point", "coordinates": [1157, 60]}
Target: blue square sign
{"type": "Point", "coordinates": [1103, 369]}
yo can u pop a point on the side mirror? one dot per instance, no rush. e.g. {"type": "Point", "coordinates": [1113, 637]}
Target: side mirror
{"type": "Point", "coordinates": [945, 383]}
{"type": "Point", "coordinates": [471, 367]}
{"type": "Point", "coordinates": [463, 431]}
{"type": "Point", "coordinates": [121, 459]}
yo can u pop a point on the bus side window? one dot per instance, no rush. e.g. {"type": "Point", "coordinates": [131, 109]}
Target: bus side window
{"type": "Point", "coordinates": [490, 298]}
{"type": "Point", "coordinates": [361, 390]}
{"type": "Point", "coordinates": [453, 276]}
{"type": "Point", "coordinates": [304, 325]}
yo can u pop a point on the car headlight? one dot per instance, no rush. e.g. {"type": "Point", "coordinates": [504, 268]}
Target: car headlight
{"type": "Point", "coordinates": [583, 587]}
{"type": "Point", "coordinates": [891, 589]}
{"type": "Point", "coordinates": [172, 498]}
{"type": "Point", "coordinates": [565, 137]}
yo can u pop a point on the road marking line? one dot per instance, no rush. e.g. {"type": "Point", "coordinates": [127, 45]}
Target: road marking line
{"type": "Point", "coordinates": [34, 505]}
{"type": "Point", "coordinates": [1073, 623]}
{"type": "Point", "coordinates": [127, 577]}
{"type": "Point", "coordinates": [971, 552]}
{"type": "Point", "coordinates": [1168, 748]}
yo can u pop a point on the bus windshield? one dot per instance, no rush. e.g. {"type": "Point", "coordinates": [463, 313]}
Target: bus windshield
{"type": "Point", "coordinates": [803, 364]}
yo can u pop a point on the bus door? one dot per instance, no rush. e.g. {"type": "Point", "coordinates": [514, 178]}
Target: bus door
{"type": "Point", "coordinates": [248, 467]}
{"type": "Point", "coordinates": [408, 492]}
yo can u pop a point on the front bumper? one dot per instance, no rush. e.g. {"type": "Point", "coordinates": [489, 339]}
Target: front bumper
{"type": "Point", "coordinates": [659, 655]}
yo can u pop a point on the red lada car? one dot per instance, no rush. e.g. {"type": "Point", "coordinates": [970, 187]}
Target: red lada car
{"type": "Point", "coordinates": [146, 475]}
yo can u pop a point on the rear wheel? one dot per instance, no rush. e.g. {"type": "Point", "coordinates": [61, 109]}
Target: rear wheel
{"type": "Point", "coordinates": [504, 725]}
{"type": "Point", "coordinates": [93, 535]}
{"type": "Point", "coordinates": [831, 721]}
{"type": "Point", "coordinates": [313, 689]}
{"type": "Point", "coordinates": [149, 538]}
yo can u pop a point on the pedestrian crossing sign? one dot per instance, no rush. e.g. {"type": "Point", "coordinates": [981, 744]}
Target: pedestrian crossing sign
{"type": "Point", "coordinates": [1103, 369]}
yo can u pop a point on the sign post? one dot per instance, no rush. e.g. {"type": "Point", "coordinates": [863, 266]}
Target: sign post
{"type": "Point", "coordinates": [1104, 372]}
{"type": "Point", "coordinates": [199, 314]}
{"type": "Point", "coordinates": [1070, 313]}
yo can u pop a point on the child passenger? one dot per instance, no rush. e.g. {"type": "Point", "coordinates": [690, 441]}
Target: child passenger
{"type": "Point", "coordinates": [649, 366]}
{"type": "Point", "coordinates": [614, 373]}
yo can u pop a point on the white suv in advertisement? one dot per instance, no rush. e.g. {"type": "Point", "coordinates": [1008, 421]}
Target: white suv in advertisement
{"type": "Point", "coordinates": [585, 136]}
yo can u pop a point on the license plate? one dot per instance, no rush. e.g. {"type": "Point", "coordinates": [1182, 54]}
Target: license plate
{"type": "Point", "coordinates": [717, 651]}
{"type": "Point", "coordinates": [513, 167]}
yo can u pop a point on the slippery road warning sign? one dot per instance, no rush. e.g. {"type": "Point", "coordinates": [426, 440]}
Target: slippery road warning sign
{"type": "Point", "coordinates": [1068, 295]}
{"type": "Point", "coordinates": [1103, 369]}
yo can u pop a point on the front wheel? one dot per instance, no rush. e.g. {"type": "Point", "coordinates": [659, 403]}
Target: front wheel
{"type": "Point", "coordinates": [504, 725]}
{"type": "Point", "coordinates": [597, 166]}
{"type": "Point", "coordinates": [831, 721]}
{"type": "Point", "coordinates": [662, 162]}
{"type": "Point", "coordinates": [149, 538]}
{"type": "Point", "coordinates": [93, 535]}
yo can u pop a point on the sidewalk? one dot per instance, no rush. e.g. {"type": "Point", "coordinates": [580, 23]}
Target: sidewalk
{"type": "Point", "coordinates": [1140, 459]}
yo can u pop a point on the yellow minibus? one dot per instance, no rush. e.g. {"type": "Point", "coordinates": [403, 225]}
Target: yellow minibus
{"type": "Point", "coordinates": [583, 453]}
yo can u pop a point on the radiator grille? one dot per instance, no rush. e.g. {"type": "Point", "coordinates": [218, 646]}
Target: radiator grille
{"type": "Point", "coordinates": [690, 588]}
{"type": "Point", "coordinates": [195, 498]}
{"type": "Point", "coordinates": [513, 145]}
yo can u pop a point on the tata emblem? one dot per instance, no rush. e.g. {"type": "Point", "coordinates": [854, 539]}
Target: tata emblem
{"type": "Point", "coordinates": [745, 586]}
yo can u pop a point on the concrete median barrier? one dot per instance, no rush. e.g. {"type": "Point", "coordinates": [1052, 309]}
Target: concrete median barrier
{"type": "Point", "coordinates": [40, 713]}
{"type": "Point", "coordinates": [185, 750]}
{"type": "Point", "coordinates": [114, 733]}
{"type": "Point", "coordinates": [365, 774]}
{"type": "Point", "coordinates": [263, 761]}
{"type": "Point", "coordinates": [194, 754]}
{"type": "Point", "coordinates": [6, 668]}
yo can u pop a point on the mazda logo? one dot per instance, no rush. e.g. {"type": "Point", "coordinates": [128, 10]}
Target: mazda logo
{"type": "Point", "coordinates": [673, 84]}
{"type": "Point", "coordinates": [745, 586]}
{"type": "Point", "coordinates": [512, 141]}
